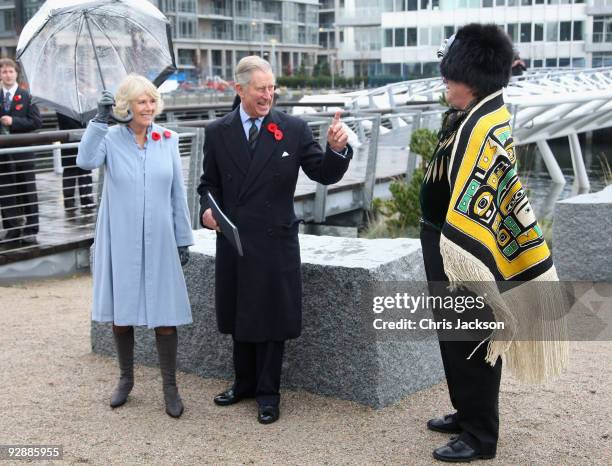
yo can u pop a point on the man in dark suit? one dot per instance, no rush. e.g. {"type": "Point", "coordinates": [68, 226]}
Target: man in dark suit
{"type": "Point", "coordinates": [252, 157]}
{"type": "Point", "coordinates": [73, 175]}
{"type": "Point", "coordinates": [17, 179]}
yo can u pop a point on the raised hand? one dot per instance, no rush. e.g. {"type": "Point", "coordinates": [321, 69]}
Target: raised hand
{"type": "Point", "coordinates": [336, 135]}
{"type": "Point", "coordinates": [105, 106]}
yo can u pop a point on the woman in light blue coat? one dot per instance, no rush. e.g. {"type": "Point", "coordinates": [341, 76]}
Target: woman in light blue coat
{"type": "Point", "coordinates": [142, 233]}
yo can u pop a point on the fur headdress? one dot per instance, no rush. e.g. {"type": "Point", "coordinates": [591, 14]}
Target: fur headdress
{"type": "Point", "coordinates": [480, 56]}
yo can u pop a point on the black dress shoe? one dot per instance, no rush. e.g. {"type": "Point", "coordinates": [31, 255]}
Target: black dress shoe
{"type": "Point", "coordinates": [447, 424]}
{"type": "Point", "coordinates": [268, 414]}
{"type": "Point", "coordinates": [457, 451]}
{"type": "Point", "coordinates": [226, 398]}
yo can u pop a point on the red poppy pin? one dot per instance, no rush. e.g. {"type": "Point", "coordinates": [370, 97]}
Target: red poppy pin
{"type": "Point", "coordinates": [156, 136]}
{"type": "Point", "coordinates": [167, 134]}
{"type": "Point", "coordinates": [17, 98]}
{"type": "Point", "coordinates": [18, 107]}
{"type": "Point", "coordinates": [275, 130]}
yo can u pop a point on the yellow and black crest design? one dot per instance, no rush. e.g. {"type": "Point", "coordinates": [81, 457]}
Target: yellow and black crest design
{"type": "Point", "coordinates": [488, 202]}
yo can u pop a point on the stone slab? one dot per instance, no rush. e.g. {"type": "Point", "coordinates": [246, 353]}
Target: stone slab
{"type": "Point", "coordinates": [338, 353]}
{"type": "Point", "coordinates": [582, 237]}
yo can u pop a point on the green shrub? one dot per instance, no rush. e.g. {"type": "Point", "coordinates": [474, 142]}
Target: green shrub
{"type": "Point", "coordinates": [402, 212]}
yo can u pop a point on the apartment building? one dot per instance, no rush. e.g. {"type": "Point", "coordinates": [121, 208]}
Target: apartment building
{"type": "Point", "coordinates": [401, 37]}
{"type": "Point", "coordinates": [211, 36]}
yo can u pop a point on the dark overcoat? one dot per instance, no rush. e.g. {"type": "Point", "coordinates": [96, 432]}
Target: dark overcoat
{"type": "Point", "coordinates": [258, 296]}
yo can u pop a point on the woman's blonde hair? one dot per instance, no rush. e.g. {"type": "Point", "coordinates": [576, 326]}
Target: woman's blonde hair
{"type": "Point", "coordinates": [132, 87]}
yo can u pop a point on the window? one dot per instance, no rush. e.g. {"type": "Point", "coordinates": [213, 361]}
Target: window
{"type": "Point", "coordinates": [512, 30]}
{"type": "Point", "coordinates": [243, 31]}
{"type": "Point", "coordinates": [388, 38]}
{"type": "Point", "coordinates": [552, 32]}
{"type": "Point", "coordinates": [413, 5]}
{"type": "Point", "coordinates": [436, 35]}
{"type": "Point", "coordinates": [424, 36]}
{"type": "Point", "coordinates": [525, 2]}
{"type": "Point", "coordinates": [525, 32]}
{"type": "Point", "coordinates": [487, 3]}
{"type": "Point", "coordinates": [187, 6]}
{"type": "Point", "coordinates": [400, 5]}
{"type": "Point", "coordinates": [564, 62]}
{"type": "Point", "coordinates": [565, 31]}
{"type": "Point", "coordinates": [400, 37]}
{"type": "Point", "coordinates": [578, 62]}
{"type": "Point", "coordinates": [500, 2]}
{"type": "Point", "coordinates": [448, 31]}
{"type": "Point", "coordinates": [538, 63]}
{"type": "Point", "coordinates": [186, 57]}
{"type": "Point", "coordinates": [411, 37]}
{"type": "Point", "coordinates": [7, 22]}
{"type": "Point", "coordinates": [512, 2]}
{"type": "Point", "coordinates": [577, 33]}
{"type": "Point", "coordinates": [551, 63]}
{"type": "Point", "coordinates": [602, 29]}
{"type": "Point", "coordinates": [602, 59]}
{"type": "Point", "coordinates": [186, 28]}
{"type": "Point", "coordinates": [538, 32]}
{"type": "Point", "coordinates": [425, 4]}
{"type": "Point", "coordinates": [167, 5]}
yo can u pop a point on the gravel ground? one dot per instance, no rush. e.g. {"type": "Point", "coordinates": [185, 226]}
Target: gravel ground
{"type": "Point", "coordinates": [55, 391]}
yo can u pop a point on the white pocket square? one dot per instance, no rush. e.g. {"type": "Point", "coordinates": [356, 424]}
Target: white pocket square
{"type": "Point", "coordinates": [285, 154]}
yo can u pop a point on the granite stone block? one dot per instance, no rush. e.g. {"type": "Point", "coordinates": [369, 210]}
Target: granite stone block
{"type": "Point", "coordinates": [582, 237]}
{"type": "Point", "coordinates": [338, 353]}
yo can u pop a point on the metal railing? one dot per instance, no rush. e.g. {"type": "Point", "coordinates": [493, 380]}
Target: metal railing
{"type": "Point", "coordinates": [44, 196]}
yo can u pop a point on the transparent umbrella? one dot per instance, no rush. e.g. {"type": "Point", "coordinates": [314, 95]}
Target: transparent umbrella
{"type": "Point", "coordinates": [73, 49]}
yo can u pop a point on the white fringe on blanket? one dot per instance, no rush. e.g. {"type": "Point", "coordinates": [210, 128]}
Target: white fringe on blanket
{"type": "Point", "coordinates": [541, 350]}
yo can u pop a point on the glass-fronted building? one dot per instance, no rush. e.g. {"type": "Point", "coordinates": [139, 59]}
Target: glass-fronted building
{"type": "Point", "coordinates": [211, 36]}
{"type": "Point", "coordinates": [401, 37]}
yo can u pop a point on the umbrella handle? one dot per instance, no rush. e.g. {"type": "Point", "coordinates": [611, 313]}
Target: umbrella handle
{"type": "Point", "coordinates": [125, 120]}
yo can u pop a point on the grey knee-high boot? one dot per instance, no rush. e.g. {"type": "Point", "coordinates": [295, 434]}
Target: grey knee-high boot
{"type": "Point", "coordinates": [166, 349]}
{"type": "Point", "coordinates": [124, 343]}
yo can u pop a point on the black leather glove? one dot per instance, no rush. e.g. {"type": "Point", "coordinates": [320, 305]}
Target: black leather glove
{"type": "Point", "coordinates": [105, 107]}
{"type": "Point", "coordinates": [183, 252]}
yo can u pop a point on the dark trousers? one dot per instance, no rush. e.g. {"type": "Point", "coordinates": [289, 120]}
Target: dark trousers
{"type": "Point", "coordinates": [73, 176]}
{"type": "Point", "coordinates": [258, 370]}
{"type": "Point", "coordinates": [11, 214]}
{"type": "Point", "coordinates": [25, 192]}
{"type": "Point", "coordinates": [473, 384]}
{"type": "Point", "coordinates": [18, 192]}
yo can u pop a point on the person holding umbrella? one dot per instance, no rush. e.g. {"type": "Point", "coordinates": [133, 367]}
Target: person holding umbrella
{"type": "Point", "coordinates": [142, 232]}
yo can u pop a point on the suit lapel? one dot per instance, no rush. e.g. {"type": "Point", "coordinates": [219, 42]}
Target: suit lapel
{"type": "Point", "coordinates": [236, 143]}
{"type": "Point", "coordinates": [14, 101]}
{"type": "Point", "coordinates": [265, 149]}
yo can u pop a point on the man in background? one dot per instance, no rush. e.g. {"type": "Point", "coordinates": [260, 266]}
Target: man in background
{"type": "Point", "coordinates": [17, 178]}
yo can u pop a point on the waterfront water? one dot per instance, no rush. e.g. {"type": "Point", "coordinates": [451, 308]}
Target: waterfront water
{"type": "Point", "coordinates": [542, 192]}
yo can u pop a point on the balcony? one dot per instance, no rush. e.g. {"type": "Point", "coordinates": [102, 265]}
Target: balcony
{"type": "Point", "coordinates": [212, 10]}
{"type": "Point", "coordinates": [216, 35]}
{"type": "Point", "coordinates": [359, 17]}
{"type": "Point", "coordinates": [599, 7]}
{"type": "Point", "coordinates": [267, 15]}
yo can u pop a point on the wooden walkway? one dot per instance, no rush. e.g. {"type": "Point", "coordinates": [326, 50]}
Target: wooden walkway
{"type": "Point", "coordinates": [62, 230]}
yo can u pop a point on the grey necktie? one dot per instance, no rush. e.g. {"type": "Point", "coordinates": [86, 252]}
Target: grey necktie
{"type": "Point", "coordinates": [7, 101]}
{"type": "Point", "coordinates": [253, 131]}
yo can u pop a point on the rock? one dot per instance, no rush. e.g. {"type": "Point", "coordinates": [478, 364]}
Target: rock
{"type": "Point", "coordinates": [582, 237]}
{"type": "Point", "coordinates": [339, 353]}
